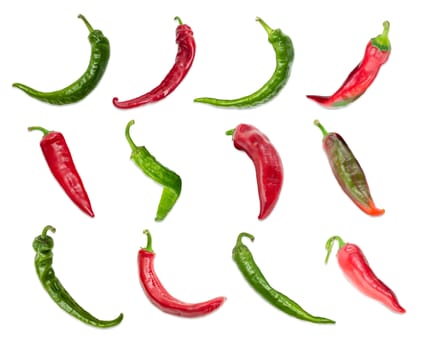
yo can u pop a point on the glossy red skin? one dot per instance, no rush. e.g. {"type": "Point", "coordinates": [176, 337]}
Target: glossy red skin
{"type": "Point", "coordinates": [267, 162]}
{"type": "Point", "coordinates": [161, 298]}
{"type": "Point", "coordinates": [357, 270]}
{"type": "Point", "coordinates": [183, 62]}
{"type": "Point", "coordinates": [62, 166]}
{"type": "Point", "coordinates": [358, 81]}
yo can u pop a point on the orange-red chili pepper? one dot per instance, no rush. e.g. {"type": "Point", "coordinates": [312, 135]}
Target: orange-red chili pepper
{"type": "Point", "coordinates": [183, 62]}
{"type": "Point", "coordinates": [359, 80]}
{"type": "Point", "coordinates": [160, 297]}
{"type": "Point", "coordinates": [355, 266]}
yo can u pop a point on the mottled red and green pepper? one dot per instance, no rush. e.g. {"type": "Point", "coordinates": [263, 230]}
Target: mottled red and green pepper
{"type": "Point", "coordinates": [348, 171]}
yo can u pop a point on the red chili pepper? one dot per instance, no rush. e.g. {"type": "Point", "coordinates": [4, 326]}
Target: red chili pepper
{"type": "Point", "coordinates": [267, 162]}
{"type": "Point", "coordinates": [355, 266]}
{"type": "Point", "coordinates": [183, 62]}
{"type": "Point", "coordinates": [376, 54]}
{"type": "Point", "coordinates": [160, 297]}
{"type": "Point", "coordinates": [60, 162]}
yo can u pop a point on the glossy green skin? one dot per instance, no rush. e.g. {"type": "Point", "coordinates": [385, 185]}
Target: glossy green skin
{"type": "Point", "coordinates": [285, 54]}
{"type": "Point", "coordinates": [78, 90]}
{"type": "Point", "coordinates": [253, 275]}
{"type": "Point", "coordinates": [43, 245]}
{"type": "Point", "coordinates": [170, 181]}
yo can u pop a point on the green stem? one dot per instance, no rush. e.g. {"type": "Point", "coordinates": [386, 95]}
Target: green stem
{"type": "Point", "coordinates": [149, 246]}
{"type": "Point", "coordinates": [244, 234]}
{"type": "Point", "coordinates": [45, 131]}
{"type": "Point", "coordinates": [330, 243]}
{"type": "Point", "coordinates": [46, 229]}
{"type": "Point", "coordinates": [230, 132]}
{"type": "Point", "coordinates": [179, 20]}
{"type": "Point", "coordinates": [128, 138]}
{"type": "Point", "coordinates": [268, 29]}
{"type": "Point", "coordinates": [320, 126]}
{"type": "Point", "coordinates": [382, 41]}
{"type": "Point", "coordinates": [90, 28]}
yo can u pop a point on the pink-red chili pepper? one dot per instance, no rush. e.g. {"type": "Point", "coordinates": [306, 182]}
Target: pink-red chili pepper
{"type": "Point", "coordinates": [160, 297]}
{"type": "Point", "coordinates": [376, 54]}
{"type": "Point", "coordinates": [267, 163]}
{"type": "Point", "coordinates": [183, 62]}
{"type": "Point", "coordinates": [62, 166]}
{"type": "Point", "coordinates": [355, 266]}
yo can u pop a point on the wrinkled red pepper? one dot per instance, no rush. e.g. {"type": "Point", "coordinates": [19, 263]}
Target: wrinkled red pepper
{"type": "Point", "coordinates": [267, 163]}
{"type": "Point", "coordinates": [62, 166]}
{"type": "Point", "coordinates": [160, 297]}
{"type": "Point", "coordinates": [183, 62]}
{"type": "Point", "coordinates": [355, 266]}
{"type": "Point", "coordinates": [359, 80]}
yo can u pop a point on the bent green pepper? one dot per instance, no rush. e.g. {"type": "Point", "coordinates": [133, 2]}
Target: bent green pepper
{"type": "Point", "coordinates": [170, 181]}
{"type": "Point", "coordinates": [43, 245]}
{"type": "Point", "coordinates": [253, 275]}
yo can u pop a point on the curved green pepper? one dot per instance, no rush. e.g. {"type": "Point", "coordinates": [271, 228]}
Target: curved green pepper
{"type": "Point", "coordinates": [170, 181]}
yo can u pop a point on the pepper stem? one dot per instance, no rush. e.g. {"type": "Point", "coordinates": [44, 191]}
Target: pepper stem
{"type": "Point", "coordinates": [330, 243]}
{"type": "Point", "coordinates": [149, 246]}
{"type": "Point", "coordinates": [45, 131]}
{"type": "Point", "coordinates": [230, 132]}
{"type": "Point", "coordinates": [179, 20]}
{"type": "Point", "coordinates": [128, 138]}
{"type": "Point", "coordinates": [268, 29]}
{"type": "Point", "coordinates": [244, 234]}
{"type": "Point", "coordinates": [382, 41]}
{"type": "Point", "coordinates": [46, 229]}
{"type": "Point", "coordinates": [90, 28]}
{"type": "Point", "coordinates": [320, 126]}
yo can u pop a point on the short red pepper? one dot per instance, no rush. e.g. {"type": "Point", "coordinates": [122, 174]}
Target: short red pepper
{"type": "Point", "coordinates": [355, 266]}
{"type": "Point", "coordinates": [160, 297]}
{"type": "Point", "coordinates": [267, 163]}
{"type": "Point", "coordinates": [62, 166]}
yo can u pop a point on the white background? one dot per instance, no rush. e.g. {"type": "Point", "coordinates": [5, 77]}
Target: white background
{"type": "Point", "coordinates": [45, 46]}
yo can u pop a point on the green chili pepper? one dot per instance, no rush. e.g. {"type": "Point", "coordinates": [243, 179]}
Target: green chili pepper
{"type": "Point", "coordinates": [284, 53]}
{"type": "Point", "coordinates": [43, 245]}
{"type": "Point", "coordinates": [100, 52]}
{"type": "Point", "coordinates": [170, 181]}
{"type": "Point", "coordinates": [248, 267]}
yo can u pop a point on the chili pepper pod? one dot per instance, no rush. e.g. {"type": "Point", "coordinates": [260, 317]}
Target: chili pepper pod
{"type": "Point", "coordinates": [284, 54]}
{"type": "Point", "coordinates": [160, 297]}
{"type": "Point", "coordinates": [376, 54]}
{"type": "Point", "coordinates": [267, 163]}
{"type": "Point", "coordinates": [243, 258]}
{"type": "Point", "coordinates": [348, 171]}
{"type": "Point", "coordinates": [149, 165]}
{"type": "Point", "coordinates": [183, 62]}
{"type": "Point", "coordinates": [355, 267]}
{"type": "Point", "coordinates": [82, 87]}
{"type": "Point", "coordinates": [43, 245]}
{"type": "Point", "coordinates": [60, 162]}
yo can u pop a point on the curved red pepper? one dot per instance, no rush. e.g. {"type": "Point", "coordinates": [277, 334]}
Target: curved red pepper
{"type": "Point", "coordinates": [376, 54]}
{"type": "Point", "coordinates": [267, 162]}
{"type": "Point", "coordinates": [60, 162]}
{"type": "Point", "coordinates": [183, 62]}
{"type": "Point", "coordinates": [355, 267]}
{"type": "Point", "coordinates": [160, 297]}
